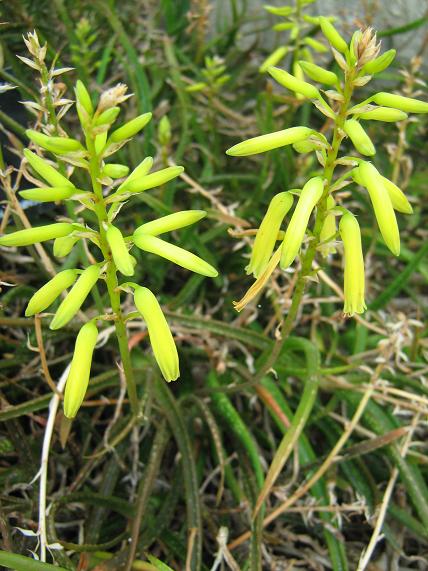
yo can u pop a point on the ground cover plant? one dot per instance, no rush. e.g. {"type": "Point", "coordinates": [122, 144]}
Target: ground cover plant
{"type": "Point", "coordinates": [293, 435]}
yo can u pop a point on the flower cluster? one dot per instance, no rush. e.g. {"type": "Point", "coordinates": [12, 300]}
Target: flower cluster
{"type": "Point", "coordinates": [300, 43]}
{"type": "Point", "coordinates": [358, 62]}
{"type": "Point", "coordinates": [104, 198]}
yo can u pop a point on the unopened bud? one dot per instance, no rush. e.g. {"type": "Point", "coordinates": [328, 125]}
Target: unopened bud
{"type": "Point", "coordinates": [270, 141]}
{"type": "Point", "coordinates": [174, 254]}
{"type": "Point", "coordinates": [310, 195]}
{"type": "Point", "coordinates": [383, 114]}
{"type": "Point", "coordinates": [359, 137]}
{"type": "Point", "coordinates": [49, 194]}
{"type": "Point", "coordinates": [63, 246]}
{"type": "Point", "coordinates": [139, 184]}
{"type": "Point", "coordinates": [131, 128]}
{"type": "Point", "coordinates": [119, 251]}
{"type": "Point", "coordinates": [354, 285]}
{"type": "Point", "coordinates": [275, 57]}
{"type": "Point", "coordinates": [77, 295]}
{"type": "Point", "coordinates": [293, 84]}
{"type": "Point", "coordinates": [115, 171]}
{"type": "Point", "coordinates": [164, 131]}
{"type": "Point", "coordinates": [317, 73]}
{"type": "Point", "coordinates": [45, 170]}
{"type": "Point", "coordinates": [407, 104]}
{"type": "Point", "coordinates": [58, 145]}
{"type": "Point", "coordinates": [50, 291]}
{"type": "Point", "coordinates": [267, 234]}
{"type": "Point", "coordinates": [80, 370]}
{"type": "Point", "coordinates": [141, 170]}
{"type": "Point", "coordinates": [37, 234]}
{"type": "Point", "coordinates": [171, 222]}
{"type": "Point", "coordinates": [161, 339]}
{"type": "Point", "coordinates": [107, 117]}
{"type": "Point", "coordinates": [333, 36]}
{"type": "Point", "coordinates": [380, 63]}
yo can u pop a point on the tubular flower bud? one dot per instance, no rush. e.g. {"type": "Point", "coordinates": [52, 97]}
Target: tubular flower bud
{"type": "Point", "coordinates": [171, 222]}
{"type": "Point", "coordinates": [141, 170]}
{"type": "Point", "coordinates": [107, 117]}
{"type": "Point", "coordinates": [383, 114]}
{"type": "Point", "coordinates": [131, 128]}
{"type": "Point", "coordinates": [407, 104]}
{"type": "Point", "coordinates": [359, 137]}
{"type": "Point", "coordinates": [267, 234]}
{"type": "Point", "coordinates": [164, 131]}
{"type": "Point", "coordinates": [382, 205]}
{"type": "Point", "coordinates": [115, 171]}
{"type": "Point", "coordinates": [380, 63]}
{"type": "Point", "coordinates": [328, 230]}
{"type": "Point", "coordinates": [119, 251]}
{"type": "Point", "coordinates": [38, 234]}
{"type": "Point", "coordinates": [332, 35]}
{"type": "Point", "coordinates": [354, 265]}
{"type": "Point", "coordinates": [397, 197]}
{"type": "Point", "coordinates": [290, 82]}
{"type": "Point", "coordinates": [63, 246]}
{"type": "Point", "coordinates": [275, 57]}
{"type": "Point", "coordinates": [158, 178]}
{"type": "Point", "coordinates": [50, 291]}
{"type": "Point", "coordinates": [161, 339]}
{"type": "Point", "coordinates": [310, 195]}
{"type": "Point", "coordinates": [174, 254]}
{"type": "Point", "coordinates": [45, 170]}
{"type": "Point", "coordinates": [315, 45]}
{"type": "Point", "coordinates": [270, 141]}
{"type": "Point", "coordinates": [50, 194]}
{"type": "Point", "coordinates": [279, 10]}
{"type": "Point", "coordinates": [58, 145]}
{"type": "Point", "coordinates": [83, 98]}
{"type": "Point", "coordinates": [317, 73]}
{"type": "Point", "coordinates": [78, 377]}
{"type": "Point", "coordinates": [77, 295]}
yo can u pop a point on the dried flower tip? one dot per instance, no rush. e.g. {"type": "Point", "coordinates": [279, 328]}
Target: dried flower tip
{"type": "Point", "coordinates": [78, 377]}
{"type": "Point", "coordinates": [45, 170]}
{"type": "Point", "coordinates": [130, 129]}
{"type": "Point", "coordinates": [332, 35]}
{"type": "Point", "coordinates": [382, 205]}
{"type": "Point", "coordinates": [119, 251]}
{"type": "Point", "coordinates": [35, 235]}
{"type": "Point", "coordinates": [270, 141]}
{"type": "Point", "coordinates": [77, 295]}
{"type": "Point", "coordinates": [174, 254]}
{"type": "Point", "coordinates": [267, 234]}
{"type": "Point", "coordinates": [171, 222]}
{"type": "Point", "coordinates": [354, 285]}
{"type": "Point", "coordinates": [317, 73]}
{"type": "Point", "coordinates": [366, 49]}
{"type": "Point", "coordinates": [310, 195]}
{"type": "Point", "coordinates": [47, 294]}
{"type": "Point", "coordinates": [49, 194]}
{"type": "Point", "coordinates": [113, 97]}
{"type": "Point", "coordinates": [161, 339]}
{"type": "Point", "coordinates": [293, 84]}
{"type": "Point", "coordinates": [407, 104]}
{"type": "Point", "coordinates": [359, 137]}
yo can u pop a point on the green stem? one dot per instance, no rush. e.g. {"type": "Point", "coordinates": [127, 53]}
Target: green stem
{"type": "Point", "coordinates": [111, 279]}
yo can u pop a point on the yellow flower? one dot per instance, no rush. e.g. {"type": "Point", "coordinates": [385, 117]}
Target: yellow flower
{"type": "Point", "coordinates": [50, 291]}
{"type": "Point", "coordinates": [119, 251]}
{"type": "Point", "coordinates": [174, 254]}
{"type": "Point", "coordinates": [37, 234]}
{"type": "Point", "coordinates": [267, 234]}
{"type": "Point", "coordinates": [359, 137]}
{"type": "Point", "coordinates": [270, 141]}
{"type": "Point", "coordinates": [171, 222]}
{"type": "Point", "coordinates": [77, 295]}
{"type": "Point", "coordinates": [78, 377]}
{"type": "Point", "coordinates": [371, 179]}
{"type": "Point", "coordinates": [310, 195]}
{"type": "Point", "coordinates": [354, 265]}
{"type": "Point", "coordinates": [161, 339]}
